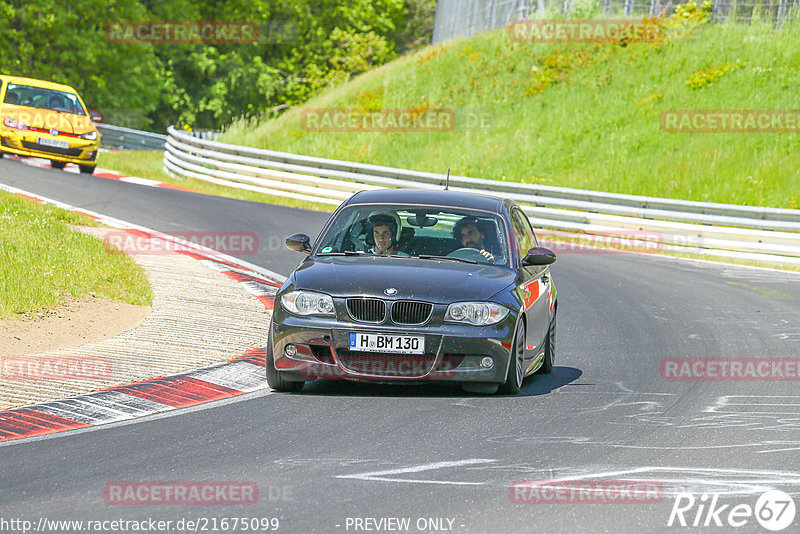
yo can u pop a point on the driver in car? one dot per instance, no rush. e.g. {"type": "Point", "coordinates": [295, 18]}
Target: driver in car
{"type": "Point", "coordinates": [55, 102]}
{"type": "Point", "coordinates": [383, 229]}
{"type": "Point", "coordinates": [469, 235]}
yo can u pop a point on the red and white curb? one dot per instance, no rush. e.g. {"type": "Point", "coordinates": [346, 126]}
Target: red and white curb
{"type": "Point", "coordinates": [102, 173]}
{"type": "Point", "coordinates": [243, 374]}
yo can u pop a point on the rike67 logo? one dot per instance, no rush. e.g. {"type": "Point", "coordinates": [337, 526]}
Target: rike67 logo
{"type": "Point", "coordinates": [774, 510]}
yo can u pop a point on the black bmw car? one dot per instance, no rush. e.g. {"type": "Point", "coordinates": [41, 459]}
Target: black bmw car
{"type": "Point", "coordinates": [408, 286]}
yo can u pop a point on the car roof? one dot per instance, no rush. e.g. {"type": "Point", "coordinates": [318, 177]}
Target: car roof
{"type": "Point", "coordinates": [44, 84]}
{"type": "Point", "coordinates": [428, 197]}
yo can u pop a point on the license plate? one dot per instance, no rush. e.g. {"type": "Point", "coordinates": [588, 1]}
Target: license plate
{"type": "Point", "coordinates": [387, 343]}
{"type": "Point", "coordinates": [53, 142]}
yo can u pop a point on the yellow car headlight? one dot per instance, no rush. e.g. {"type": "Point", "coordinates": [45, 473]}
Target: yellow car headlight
{"type": "Point", "coordinates": [14, 123]}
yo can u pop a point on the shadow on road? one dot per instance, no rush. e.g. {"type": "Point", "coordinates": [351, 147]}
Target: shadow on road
{"type": "Point", "coordinates": [533, 385]}
{"type": "Point", "coordinates": [544, 384]}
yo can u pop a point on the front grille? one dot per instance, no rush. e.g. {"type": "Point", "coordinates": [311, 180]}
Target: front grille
{"type": "Point", "coordinates": [367, 310]}
{"type": "Point", "coordinates": [411, 312]}
{"type": "Point", "coordinates": [377, 364]}
{"type": "Point", "coordinates": [47, 130]}
{"type": "Point", "coordinates": [72, 152]}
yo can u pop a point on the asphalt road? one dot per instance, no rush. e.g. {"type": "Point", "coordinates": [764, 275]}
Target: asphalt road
{"type": "Point", "coordinates": [339, 453]}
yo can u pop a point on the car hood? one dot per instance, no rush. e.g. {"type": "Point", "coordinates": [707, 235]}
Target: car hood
{"type": "Point", "coordinates": [438, 281]}
{"type": "Point", "coordinates": [47, 119]}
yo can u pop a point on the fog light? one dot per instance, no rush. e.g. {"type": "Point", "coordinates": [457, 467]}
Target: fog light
{"type": "Point", "coordinates": [487, 363]}
{"type": "Point", "coordinates": [290, 350]}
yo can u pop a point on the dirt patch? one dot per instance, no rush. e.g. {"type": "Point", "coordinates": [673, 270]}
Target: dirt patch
{"type": "Point", "coordinates": [73, 323]}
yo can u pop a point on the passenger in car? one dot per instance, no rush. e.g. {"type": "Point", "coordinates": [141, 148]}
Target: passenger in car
{"type": "Point", "coordinates": [382, 231]}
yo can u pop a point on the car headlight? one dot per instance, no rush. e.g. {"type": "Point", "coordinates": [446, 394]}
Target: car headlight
{"type": "Point", "coordinates": [14, 123]}
{"type": "Point", "coordinates": [89, 136]}
{"type": "Point", "coordinates": [307, 303]}
{"type": "Point", "coordinates": [477, 313]}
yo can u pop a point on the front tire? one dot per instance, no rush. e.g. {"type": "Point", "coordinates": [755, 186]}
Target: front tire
{"type": "Point", "coordinates": [87, 169]}
{"type": "Point", "coordinates": [516, 367]}
{"type": "Point", "coordinates": [274, 378]}
{"type": "Point", "coordinates": [549, 349]}
{"type": "Point", "coordinates": [58, 164]}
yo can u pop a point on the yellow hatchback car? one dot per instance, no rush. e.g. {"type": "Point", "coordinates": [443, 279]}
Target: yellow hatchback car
{"type": "Point", "coordinates": [46, 120]}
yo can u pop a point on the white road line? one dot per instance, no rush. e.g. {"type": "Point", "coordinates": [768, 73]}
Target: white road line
{"type": "Point", "coordinates": [140, 181]}
{"type": "Point", "coordinates": [381, 476]}
{"type": "Point", "coordinates": [740, 481]}
{"type": "Point", "coordinates": [674, 479]}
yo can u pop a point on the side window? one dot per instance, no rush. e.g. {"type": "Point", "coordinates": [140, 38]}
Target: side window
{"type": "Point", "coordinates": [527, 224]}
{"type": "Point", "coordinates": [523, 234]}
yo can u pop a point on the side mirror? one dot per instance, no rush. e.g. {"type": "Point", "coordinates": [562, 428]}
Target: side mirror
{"type": "Point", "coordinates": [299, 243]}
{"type": "Point", "coordinates": [539, 256]}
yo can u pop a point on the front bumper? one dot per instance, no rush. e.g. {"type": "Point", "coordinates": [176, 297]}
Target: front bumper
{"type": "Point", "coordinates": [25, 143]}
{"type": "Point", "coordinates": [453, 352]}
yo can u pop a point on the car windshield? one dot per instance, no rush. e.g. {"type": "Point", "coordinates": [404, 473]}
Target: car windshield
{"type": "Point", "coordinates": [38, 97]}
{"type": "Point", "coordinates": [418, 231]}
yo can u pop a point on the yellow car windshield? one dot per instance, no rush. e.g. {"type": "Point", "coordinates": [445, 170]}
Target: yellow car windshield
{"type": "Point", "coordinates": [41, 98]}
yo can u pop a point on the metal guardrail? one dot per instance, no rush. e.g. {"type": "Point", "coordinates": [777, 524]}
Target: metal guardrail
{"type": "Point", "coordinates": [462, 18]}
{"type": "Point", "coordinates": [117, 137]}
{"type": "Point", "coordinates": [722, 230]}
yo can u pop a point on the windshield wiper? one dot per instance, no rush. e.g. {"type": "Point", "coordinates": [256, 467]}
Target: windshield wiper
{"type": "Point", "coordinates": [361, 253]}
{"type": "Point", "coordinates": [450, 258]}
{"type": "Point", "coordinates": [345, 253]}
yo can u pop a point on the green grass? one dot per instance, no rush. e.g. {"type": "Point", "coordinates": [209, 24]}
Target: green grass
{"type": "Point", "coordinates": [577, 115]}
{"type": "Point", "coordinates": [43, 262]}
{"type": "Point", "coordinates": [148, 164]}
